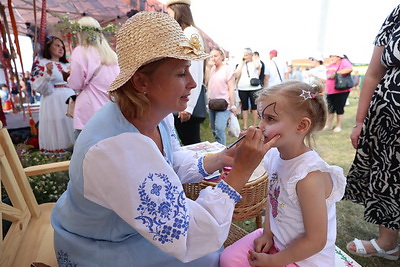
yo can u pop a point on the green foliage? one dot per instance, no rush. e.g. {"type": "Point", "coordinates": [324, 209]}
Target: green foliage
{"type": "Point", "coordinates": [46, 187]}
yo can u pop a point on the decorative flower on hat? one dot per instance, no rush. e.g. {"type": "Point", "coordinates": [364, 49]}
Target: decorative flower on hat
{"type": "Point", "coordinates": [193, 45]}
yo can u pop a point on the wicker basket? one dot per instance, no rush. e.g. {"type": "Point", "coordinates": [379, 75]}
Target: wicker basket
{"type": "Point", "coordinates": [235, 233]}
{"type": "Point", "coordinates": [254, 198]}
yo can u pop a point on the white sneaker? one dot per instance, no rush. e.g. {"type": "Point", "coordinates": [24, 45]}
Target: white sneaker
{"type": "Point", "coordinates": [337, 130]}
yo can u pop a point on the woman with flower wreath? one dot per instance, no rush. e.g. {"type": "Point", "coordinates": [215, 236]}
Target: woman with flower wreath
{"type": "Point", "coordinates": [49, 79]}
{"type": "Point", "coordinates": [93, 68]}
{"type": "Point", "coordinates": [125, 204]}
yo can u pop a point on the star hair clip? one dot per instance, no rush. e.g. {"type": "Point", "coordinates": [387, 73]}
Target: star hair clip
{"type": "Point", "coordinates": [193, 45]}
{"type": "Point", "coordinates": [308, 95]}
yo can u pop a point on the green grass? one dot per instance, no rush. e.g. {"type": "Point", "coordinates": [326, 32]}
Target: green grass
{"type": "Point", "coordinates": [336, 149]}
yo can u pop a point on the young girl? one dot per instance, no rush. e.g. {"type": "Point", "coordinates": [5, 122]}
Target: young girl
{"type": "Point", "coordinates": [300, 222]}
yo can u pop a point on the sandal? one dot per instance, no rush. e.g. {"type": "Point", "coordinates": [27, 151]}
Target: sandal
{"type": "Point", "coordinates": [361, 251]}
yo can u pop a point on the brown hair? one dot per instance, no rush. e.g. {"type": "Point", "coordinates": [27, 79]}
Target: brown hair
{"type": "Point", "coordinates": [304, 100]}
{"type": "Point", "coordinates": [183, 15]}
{"type": "Point", "coordinates": [46, 49]}
{"type": "Point", "coordinates": [132, 103]}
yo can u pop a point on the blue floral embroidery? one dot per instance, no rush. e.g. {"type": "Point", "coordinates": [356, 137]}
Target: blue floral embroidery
{"type": "Point", "coordinates": [173, 134]}
{"type": "Point", "coordinates": [201, 168]}
{"type": "Point", "coordinates": [230, 191]}
{"type": "Point", "coordinates": [63, 260]}
{"type": "Point", "coordinates": [156, 190]}
{"type": "Point", "coordinates": [162, 208]}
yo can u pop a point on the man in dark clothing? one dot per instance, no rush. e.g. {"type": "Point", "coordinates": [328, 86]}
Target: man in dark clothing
{"type": "Point", "coordinates": [261, 77]}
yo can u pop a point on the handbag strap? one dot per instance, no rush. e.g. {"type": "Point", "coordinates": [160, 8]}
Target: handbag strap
{"type": "Point", "coordinates": [277, 70]}
{"type": "Point", "coordinates": [339, 65]}
{"type": "Point", "coordinates": [247, 69]}
{"type": "Point", "coordinates": [95, 73]}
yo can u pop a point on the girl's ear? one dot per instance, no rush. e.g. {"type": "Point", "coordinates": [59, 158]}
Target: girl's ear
{"type": "Point", "coordinates": [304, 125]}
{"type": "Point", "coordinates": [139, 82]}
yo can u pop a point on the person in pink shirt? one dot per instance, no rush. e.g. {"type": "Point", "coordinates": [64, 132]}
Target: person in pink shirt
{"type": "Point", "coordinates": [93, 68]}
{"type": "Point", "coordinates": [220, 86]}
{"type": "Point", "coordinates": [336, 99]}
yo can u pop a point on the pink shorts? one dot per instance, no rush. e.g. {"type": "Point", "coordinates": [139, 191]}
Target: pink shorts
{"type": "Point", "coordinates": [236, 254]}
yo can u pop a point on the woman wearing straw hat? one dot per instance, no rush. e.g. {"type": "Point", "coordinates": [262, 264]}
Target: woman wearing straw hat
{"type": "Point", "coordinates": [187, 122]}
{"type": "Point", "coordinates": [125, 205]}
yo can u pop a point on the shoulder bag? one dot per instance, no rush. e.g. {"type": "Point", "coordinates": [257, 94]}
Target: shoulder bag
{"type": "Point", "coordinates": [343, 82]}
{"type": "Point", "coordinates": [218, 104]}
{"type": "Point", "coordinates": [253, 81]}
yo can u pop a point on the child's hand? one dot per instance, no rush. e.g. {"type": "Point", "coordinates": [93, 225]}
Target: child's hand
{"type": "Point", "coordinates": [263, 243]}
{"type": "Point", "coordinates": [258, 259]}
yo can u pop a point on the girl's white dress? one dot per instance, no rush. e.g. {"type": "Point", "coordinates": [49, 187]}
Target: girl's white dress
{"type": "Point", "coordinates": [55, 128]}
{"type": "Point", "coordinates": [286, 219]}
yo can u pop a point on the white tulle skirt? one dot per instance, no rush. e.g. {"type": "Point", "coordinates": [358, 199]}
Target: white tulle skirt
{"type": "Point", "coordinates": [55, 128]}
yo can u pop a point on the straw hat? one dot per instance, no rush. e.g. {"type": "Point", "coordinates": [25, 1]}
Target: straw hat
{"type": "Point", "coordinates": [171, 2]}
{"type": "Point", "coordinates": [149, 36]}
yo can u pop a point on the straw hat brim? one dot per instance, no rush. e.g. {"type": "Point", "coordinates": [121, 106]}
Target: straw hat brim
{"type": "Point", "coordinates": [126, 74]}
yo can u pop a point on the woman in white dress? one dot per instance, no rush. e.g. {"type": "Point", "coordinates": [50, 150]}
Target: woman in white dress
{"type": "Point", "coordinates": [49, 79]}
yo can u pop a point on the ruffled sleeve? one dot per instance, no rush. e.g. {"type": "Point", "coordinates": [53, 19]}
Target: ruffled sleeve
{"type": "Point", "coordinates": [128, 175]}
{"type": "Point", "coordinates": [40, 79]}
{"type": "Point", "coordinates": [312, 162]}
{"type": "Point", "coordinates": [388, 27]}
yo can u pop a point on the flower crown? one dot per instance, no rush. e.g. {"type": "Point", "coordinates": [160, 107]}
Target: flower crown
{"type": "Point", "coordinates": [71, 27]}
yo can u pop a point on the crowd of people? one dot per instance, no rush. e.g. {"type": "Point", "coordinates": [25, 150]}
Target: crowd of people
{"type": "Point", "coordinates": [136, 107]}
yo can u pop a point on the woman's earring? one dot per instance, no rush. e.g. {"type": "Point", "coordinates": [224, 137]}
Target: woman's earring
{"type": "Point", "coordinates": [145, 93]}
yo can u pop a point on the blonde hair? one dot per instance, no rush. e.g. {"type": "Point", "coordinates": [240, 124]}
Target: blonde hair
{"type": "Point", "coordinates": [304, 100]}
{"type": "Point", "coordinates": [96, 39]}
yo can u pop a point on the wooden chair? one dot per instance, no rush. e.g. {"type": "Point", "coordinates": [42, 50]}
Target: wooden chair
{"type": "Point", "coordinates": [30, 237]}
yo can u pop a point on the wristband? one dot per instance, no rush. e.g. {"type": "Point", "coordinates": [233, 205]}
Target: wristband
{"type": "Point", "coordinates": [233, 107]}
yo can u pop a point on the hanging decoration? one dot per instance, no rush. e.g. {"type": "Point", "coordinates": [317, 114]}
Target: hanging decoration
{"type": "Point", "coordinates": [8, 56]}
{"type": "Point", "coordinates": [35, 35]}
{"type": "Point", "coordinates": [15, 32]}
{"type": "Point", "coordinates": [43, 28]}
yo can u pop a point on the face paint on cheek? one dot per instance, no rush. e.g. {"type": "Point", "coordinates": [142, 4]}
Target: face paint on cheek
{"type": "Point", "coordinates": [259, 110]}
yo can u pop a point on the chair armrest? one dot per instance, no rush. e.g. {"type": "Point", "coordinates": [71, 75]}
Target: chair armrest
{"type": "Point", "coordinates": [47, 168]}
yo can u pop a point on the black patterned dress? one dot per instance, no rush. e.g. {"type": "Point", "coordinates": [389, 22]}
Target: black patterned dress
{"type": "Point", "coordinates": [374, 178]}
